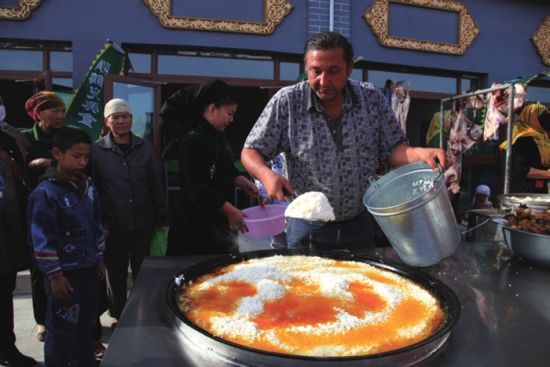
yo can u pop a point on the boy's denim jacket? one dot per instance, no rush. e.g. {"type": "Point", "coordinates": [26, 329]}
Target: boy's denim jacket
{"type": "Point", "coordinates": [65, 226]}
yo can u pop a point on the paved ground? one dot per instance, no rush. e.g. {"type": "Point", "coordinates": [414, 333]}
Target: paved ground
{"type": "Point", "coordinates": [24, 320]}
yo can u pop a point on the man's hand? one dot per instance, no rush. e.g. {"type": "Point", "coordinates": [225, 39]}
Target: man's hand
{"type": "Point", "coordinates": [61, 288]}
{"type": "Point", "coordinates": [432, 156]}
{"type": "Point", "coordinates": [277, 187]}
{"type": "Point", "coordinates": [404, 154]}
{"type": "Point", "coordinates": [263, 200]}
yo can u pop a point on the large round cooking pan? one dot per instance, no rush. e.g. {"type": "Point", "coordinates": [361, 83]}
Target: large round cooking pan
{"type": "Point", "coordinates": [207, 349]}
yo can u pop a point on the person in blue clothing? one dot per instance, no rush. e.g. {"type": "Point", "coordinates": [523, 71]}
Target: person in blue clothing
{"type": "Point", "coordinates": [67, 238]}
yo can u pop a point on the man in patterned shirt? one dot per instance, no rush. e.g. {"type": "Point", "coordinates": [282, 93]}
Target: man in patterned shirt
{"type": "Point", "coordinates": [334, 132]}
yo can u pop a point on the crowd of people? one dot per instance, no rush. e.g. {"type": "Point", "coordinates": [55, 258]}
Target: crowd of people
{"type": "Point", "coordinates": [77, 213]}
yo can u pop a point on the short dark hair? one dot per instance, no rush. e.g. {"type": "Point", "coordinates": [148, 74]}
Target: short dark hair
{"type": "Point", "coordinates": [68, 136]}
{"type": "Point", "coordinates": [329, 41]}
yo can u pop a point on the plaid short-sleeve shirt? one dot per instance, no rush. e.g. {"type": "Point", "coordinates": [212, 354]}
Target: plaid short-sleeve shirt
{"type": "Point", "coordinates": [334, 157]}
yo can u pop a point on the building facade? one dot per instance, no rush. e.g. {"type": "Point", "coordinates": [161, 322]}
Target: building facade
{"type": "Point", "coordinates": [440, 48]}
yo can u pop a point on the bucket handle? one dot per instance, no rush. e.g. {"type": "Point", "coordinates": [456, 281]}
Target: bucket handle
{"type": "Point", "coordinates": [441, 173]}
{"type": "Point", "coordinates": [476, 226]}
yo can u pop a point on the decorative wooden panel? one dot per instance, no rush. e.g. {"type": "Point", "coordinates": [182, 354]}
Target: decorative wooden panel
{"type": "Point", "coordinates": [541, 39]}
{"type": "Point", "coordinates": [21, 11]}
{"type": "Point", "coordinates": [274, 12]}
{"type": "Point", "coordinates": [377, 18]}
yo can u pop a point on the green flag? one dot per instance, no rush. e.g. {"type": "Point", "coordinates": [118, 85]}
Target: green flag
{"type": "Point", "coordinates": [86, 107]}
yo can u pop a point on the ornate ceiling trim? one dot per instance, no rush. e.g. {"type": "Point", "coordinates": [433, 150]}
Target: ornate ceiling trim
{"type": "Point", "coordinates": [377, 17]}
{"type": "Point", "coordinates": [274, 13]}
{"type": "Point", "coordinates": [541, 39]}
{"type": "Point", "coordinates": [21, 11]}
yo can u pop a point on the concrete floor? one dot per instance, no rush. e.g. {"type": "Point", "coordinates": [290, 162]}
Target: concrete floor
{"type": "Point", "coordinates": [24, 320]}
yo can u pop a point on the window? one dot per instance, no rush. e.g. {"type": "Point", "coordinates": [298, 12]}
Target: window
{"type": "Point", "coordinates": [215, 67]}
{"type": "Point", "coordinates": [141, 63]}
{"type": "Point", "coordinates": [419, 82]}
{"type": "Point", "coordinates": [357, 74]}
{"type": "Point", "coordinates": [21, 60]}
{"type": "Point", "coordinates": [61, 61]}
{"type": "Point", "coordinates": [289, 71]}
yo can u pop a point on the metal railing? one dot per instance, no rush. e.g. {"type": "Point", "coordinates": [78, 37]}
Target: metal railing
{"type": "Point", "coordinates": [508, 159]}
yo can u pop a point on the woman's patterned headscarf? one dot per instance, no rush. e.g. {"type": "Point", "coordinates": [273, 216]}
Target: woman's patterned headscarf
{"type": "Point", "coordinates": [528, 125]}
{"type": "Point", "coordinates": [41, 101]}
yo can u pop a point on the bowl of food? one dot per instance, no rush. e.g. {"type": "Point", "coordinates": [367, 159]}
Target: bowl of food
{"type": "Point", "coordinates": [265, 221]}
{"type": "Point", "coordinates": [528, 245]}
{"type": "Point", "coordinates": [527, 234]}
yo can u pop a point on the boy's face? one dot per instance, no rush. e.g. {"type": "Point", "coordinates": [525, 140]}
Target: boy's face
{"type": "Point", "coordinates": [73, 161]}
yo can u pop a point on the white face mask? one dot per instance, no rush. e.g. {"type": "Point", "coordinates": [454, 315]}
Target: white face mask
{"type": "Point", "coordinates": [2, 113]}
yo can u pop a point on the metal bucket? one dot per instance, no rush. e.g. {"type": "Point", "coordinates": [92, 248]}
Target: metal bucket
{"type": "Point", "coordinates": [413, 209]}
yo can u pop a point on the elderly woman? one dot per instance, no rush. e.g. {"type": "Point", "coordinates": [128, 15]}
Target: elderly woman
{"type": "Point", "coordinates": [209, 217]}
{"type": "Point", "coordinates": [47, 110]}
{"type": "Point", "coordinates": [531, 150]}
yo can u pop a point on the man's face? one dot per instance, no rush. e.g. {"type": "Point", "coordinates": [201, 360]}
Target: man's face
{"type": "Point", "coordinates": [119, 123]}
{"type": "Point", "coordinates": [327, 72]}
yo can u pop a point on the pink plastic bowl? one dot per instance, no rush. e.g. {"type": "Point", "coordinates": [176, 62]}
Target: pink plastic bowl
{"type": "Point", "coordinates": [265, 221]}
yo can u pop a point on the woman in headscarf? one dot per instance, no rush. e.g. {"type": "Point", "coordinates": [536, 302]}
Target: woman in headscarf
{"type": "Point", "coordinates": [47, 110]}
{"type": "Point", "coordinates": [530, 150]}
{"type": "Point", "coordinates": [209, 218]}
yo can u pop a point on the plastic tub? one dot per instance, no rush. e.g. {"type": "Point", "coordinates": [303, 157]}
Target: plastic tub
{"type": "Point", "coordinates": [265, 221]}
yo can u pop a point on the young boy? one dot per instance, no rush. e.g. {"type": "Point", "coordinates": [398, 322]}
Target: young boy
{"type": "Point", "coordinates": [68, 243]}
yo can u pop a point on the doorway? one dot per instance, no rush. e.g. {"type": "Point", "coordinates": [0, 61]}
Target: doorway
{"type": "Point", "coordinates": [15, 93]}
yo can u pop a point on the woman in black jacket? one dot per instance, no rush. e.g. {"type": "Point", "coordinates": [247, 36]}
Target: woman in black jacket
{"type": "Point", "coordinates": [208, 219]}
